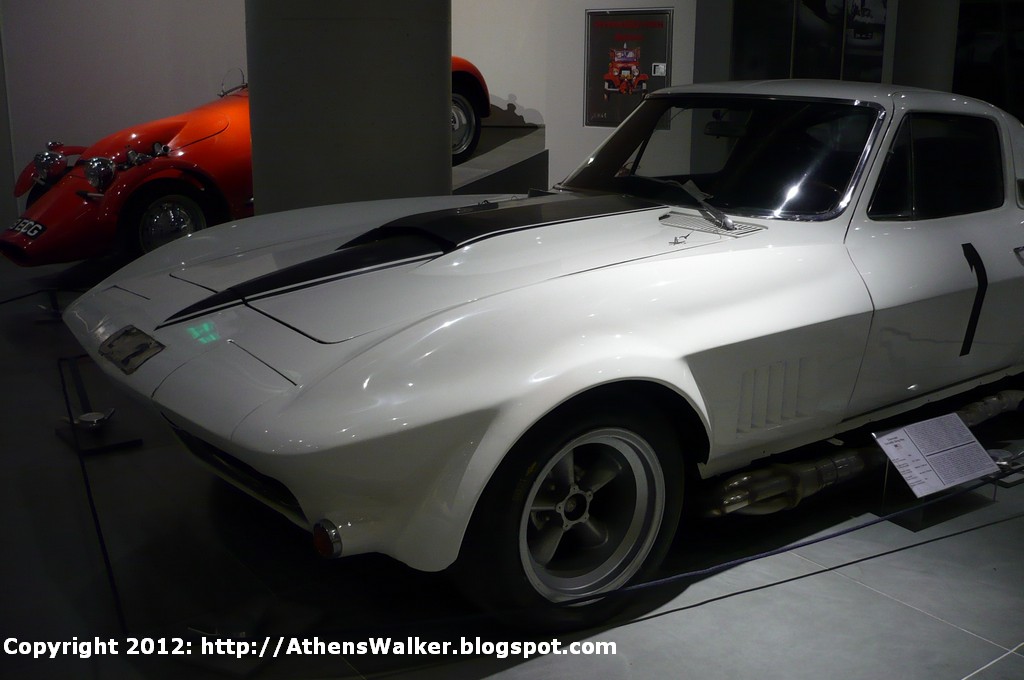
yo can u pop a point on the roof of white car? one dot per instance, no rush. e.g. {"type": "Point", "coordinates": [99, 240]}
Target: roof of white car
{"type": "Point", "coordinates": [830, 89]}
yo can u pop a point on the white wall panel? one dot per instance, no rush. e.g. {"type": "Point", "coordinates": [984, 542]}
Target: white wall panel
{"type": "Point", "coordinates": [508, 42]}
{"type": "Point", "coordinates": [77, 71]}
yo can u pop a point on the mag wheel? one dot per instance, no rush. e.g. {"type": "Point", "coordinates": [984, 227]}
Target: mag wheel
{"type": "Point", "coordinates": [579, 509]}
{"type": "Point", "coordinates": [465, 128]}
{"type": "Point", "coordinates": [592, 514]}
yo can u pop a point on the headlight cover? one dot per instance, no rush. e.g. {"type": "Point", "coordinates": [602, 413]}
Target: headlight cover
{"type": "Point", "coordinates": [99, 171]}
{"type": "Point", "coordinates": [50, 163]}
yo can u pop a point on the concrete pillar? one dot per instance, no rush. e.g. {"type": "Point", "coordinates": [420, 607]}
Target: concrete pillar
{"type": "Point", "coordinates": [349, 100]}
{"type": "Point", "coordinates": [712, 42]}
{"type": "Point", "coordinates": [925, 43]}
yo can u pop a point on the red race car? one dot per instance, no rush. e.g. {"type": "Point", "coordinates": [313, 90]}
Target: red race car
{"type": "Point", "coordinates": [152, 183]}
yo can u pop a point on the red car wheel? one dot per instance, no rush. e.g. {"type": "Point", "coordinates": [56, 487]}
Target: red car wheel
{"type": "Point", "coordinates": [161, 215]}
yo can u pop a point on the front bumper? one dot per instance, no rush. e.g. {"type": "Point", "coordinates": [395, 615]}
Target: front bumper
{"type": "Point", "coordinates": [61, 226]}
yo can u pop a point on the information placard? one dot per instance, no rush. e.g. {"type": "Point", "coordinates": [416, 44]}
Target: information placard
{"type": "Point", "coordinates": [936, 454]}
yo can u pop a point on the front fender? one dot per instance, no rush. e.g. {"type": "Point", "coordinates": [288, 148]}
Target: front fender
{"type": "Point", "coordinates": [71, 227]}
{"type": "Point", "coordinates": [406, 435]}
{"type": "Point", "coordinates": [28, 175]}
{"type": "Point", "coordinates": [79, 223]}
{"type": "Point", "coordinates": [516, 377]}
{"type": "Point", "coordinates": [396, 445]}
{"type": "Point", "coordinates": [25, 180]}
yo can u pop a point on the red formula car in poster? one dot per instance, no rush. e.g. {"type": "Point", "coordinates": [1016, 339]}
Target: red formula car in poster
{"type": "Point", "coordinates": [149, 184]}
{"type": "Point", "coordinates": [624, 74]}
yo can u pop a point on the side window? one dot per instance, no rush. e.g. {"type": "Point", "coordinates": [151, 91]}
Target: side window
{"type": "Point", "coordinates": [940, 165]}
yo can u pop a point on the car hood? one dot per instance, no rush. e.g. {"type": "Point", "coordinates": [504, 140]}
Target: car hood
{"type": "Point", "coordinates": [174, 131]}
{"type": "Point", "coordinates": [333, 288]}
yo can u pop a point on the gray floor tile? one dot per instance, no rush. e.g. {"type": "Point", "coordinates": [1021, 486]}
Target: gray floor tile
{"type": "Point", "coordinates": [1008, 666]}
{"type": "Point", "coordinates": [974, 580]}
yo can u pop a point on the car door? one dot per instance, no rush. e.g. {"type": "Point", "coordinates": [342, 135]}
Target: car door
{"type": "Point", "coordinates": [934, 238]}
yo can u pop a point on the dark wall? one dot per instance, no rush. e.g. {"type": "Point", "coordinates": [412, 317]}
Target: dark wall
{"type": "Point", "coordinates": [990, 53]}
{"type": "Point", "coordinates": [8, 206]}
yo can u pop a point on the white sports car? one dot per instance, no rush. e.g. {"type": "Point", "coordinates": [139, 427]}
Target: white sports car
{"type": "Point", "coordinates": [519, 387]}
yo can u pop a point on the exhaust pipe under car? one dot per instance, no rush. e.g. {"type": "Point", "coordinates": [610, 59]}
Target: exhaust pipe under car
{"type": "Point", "coordinates": [781, 486]}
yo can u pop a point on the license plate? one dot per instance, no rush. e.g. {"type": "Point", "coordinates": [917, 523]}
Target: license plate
{"type": "Point", "coordinates": [129, 348]}
{"type": "Point", "coordinates": [27, 227]}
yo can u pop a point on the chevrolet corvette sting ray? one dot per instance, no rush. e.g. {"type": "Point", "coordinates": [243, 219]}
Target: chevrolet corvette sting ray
{"type": "Point", "coordinates": [518, 387]}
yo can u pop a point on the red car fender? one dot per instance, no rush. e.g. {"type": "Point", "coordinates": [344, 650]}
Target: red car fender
{"type": "Point", "coordinates": [79, 236]}
{"type": "Point", "coordinates": [27, 177]}
{"type": "Point", "coordinates": [460, 65]}
{"type": "Point", "coordinates": [463, 70]}
{"type": "Point", "coordinates": [79, 209]}
{"type": "Point", "coordinates": [130, 182]}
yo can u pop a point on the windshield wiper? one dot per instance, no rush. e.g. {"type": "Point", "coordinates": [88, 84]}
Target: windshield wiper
{"type": "Point", "coordinates": [709, 211]}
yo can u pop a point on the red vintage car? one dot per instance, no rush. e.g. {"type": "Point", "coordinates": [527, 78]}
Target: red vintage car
{"type": "Point", "coordinates": [152, 183]}
{"type": "Point", "coordinates": [624, 74]}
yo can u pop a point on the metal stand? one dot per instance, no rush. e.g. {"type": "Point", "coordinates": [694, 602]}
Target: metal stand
{"type": "Point", "coordinates": [897, 499]}
{"type": "Point", "coordinates": [51, 313]}
{"type": "Point", "coordinates": [93, 440]}
{"type": "Point", "coordinates": [81, 432]}
{"type": "Point", "coordinates": [1012, 468]}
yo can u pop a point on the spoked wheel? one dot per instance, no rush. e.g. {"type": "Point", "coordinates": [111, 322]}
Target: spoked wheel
{"type": "Point", "coordinates": [168, 218]}
{"type": "Point", "coordinates": [465, 128]}
{"type": "Point", "coordinates": [160, 213]}
{"type": "Point", "coordinates": [585, 504]}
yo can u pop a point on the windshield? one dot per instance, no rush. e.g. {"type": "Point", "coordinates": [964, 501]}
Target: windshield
{"type": "Point", "coordinates": [757, 156]}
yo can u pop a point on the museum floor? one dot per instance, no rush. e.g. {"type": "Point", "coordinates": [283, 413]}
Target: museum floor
{"type": "Point", "coordinates": [937, 593]}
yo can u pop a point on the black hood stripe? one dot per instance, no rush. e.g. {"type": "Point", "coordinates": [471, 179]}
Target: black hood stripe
{"type": "Point", "coordinates": [460, 227]}
{"type": "Point", "coordinates": [339, 264]}
{"type": "Point", "coordinates": [413, 238]}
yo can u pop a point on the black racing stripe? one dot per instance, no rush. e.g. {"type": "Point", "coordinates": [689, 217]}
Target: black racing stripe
{"type": "Point", "coordinates": [424, 235]}
{"type": "Point", "coordinates": [461, 226]}
{"type": "Point", "coordinates": [336, 264]}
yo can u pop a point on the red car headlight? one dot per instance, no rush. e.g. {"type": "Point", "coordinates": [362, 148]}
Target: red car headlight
{"type": "Point", "coordinates": [100, 172]}
{"type": "Point", "coordinates": [50, 163]}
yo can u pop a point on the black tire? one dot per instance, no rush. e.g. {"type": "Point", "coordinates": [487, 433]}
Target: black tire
{"type": "Point", "coordinates": [160, 214]}
{"type": "Point", "coordinates": [465, 128]}
{"type": "Point", "coordinates": [586, 503]}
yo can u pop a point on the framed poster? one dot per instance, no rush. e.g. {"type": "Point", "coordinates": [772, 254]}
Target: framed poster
{"type": "Point", "coordinates": [628, 55]}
